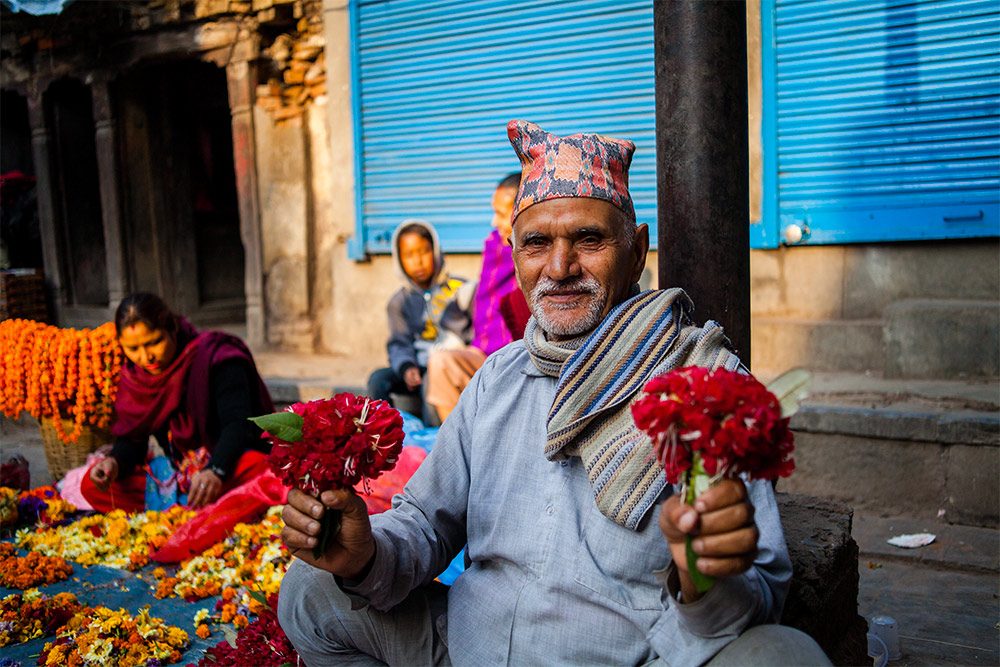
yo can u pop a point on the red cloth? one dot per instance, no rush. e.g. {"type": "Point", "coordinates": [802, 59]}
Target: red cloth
{"type": "Point", "coordinates": [214, 522]}
{"type": "Point", "coordinates": [516, 313]}
{"type": "Point", "coordinates": [129, 493]}
{"type": "Point", "coordinates": [179, 397]}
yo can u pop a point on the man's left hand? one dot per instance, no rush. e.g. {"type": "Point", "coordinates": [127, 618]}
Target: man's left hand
{"type": "Point", "coordinates": [205, 488]}
{"type": "Point", "coordinates": [722, 529]}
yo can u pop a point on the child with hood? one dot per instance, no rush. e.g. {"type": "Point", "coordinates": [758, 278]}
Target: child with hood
{"type": "Point", "coordinates": [431, 311]}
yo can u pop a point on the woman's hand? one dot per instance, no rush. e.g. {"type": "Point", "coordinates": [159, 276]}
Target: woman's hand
{"type": "Point", "coordinates": [350, 552]}
{"type": "Point", "coordinates": [104, 472]}
{"type": "Point", "coordinates": [206, 486]}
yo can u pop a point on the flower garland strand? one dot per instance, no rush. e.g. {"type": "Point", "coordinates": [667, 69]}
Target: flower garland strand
{"type": "Point", "coordinates": [59, 373]}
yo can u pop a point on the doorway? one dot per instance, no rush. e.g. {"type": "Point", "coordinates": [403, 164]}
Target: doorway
{"type": "Point", "coordinates": [181, 219]}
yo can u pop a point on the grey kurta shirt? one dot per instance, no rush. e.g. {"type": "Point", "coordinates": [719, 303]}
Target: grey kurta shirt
{"type": "Point", "coordinates": [549, 579]}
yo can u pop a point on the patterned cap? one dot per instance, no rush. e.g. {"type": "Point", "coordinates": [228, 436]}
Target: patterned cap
{"type": "Point", "coordinates": [580, 165]}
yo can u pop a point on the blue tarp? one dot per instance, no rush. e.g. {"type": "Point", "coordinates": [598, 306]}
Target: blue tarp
{"type": "Point", "coordinates": [37, 7]}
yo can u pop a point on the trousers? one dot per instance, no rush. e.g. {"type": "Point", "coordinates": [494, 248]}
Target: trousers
{"type": "Point", "coordinates": [319, 621]}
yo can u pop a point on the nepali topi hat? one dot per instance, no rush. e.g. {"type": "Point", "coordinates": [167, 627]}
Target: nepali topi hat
{"type": "Point", "coordinates": [580, 165]}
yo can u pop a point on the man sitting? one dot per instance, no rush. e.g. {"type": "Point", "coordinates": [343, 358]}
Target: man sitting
{"type": "Point", "coordinates": [576, 547]}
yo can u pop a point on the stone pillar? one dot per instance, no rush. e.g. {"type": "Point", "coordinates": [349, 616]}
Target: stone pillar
{"type": "Point", "coordinates": [105, 140]}
{"type": "Point", "coordinates": [241, 80]}
{"type": "Point", "coordinates": [702, 161]}
{"type": "Point", "coordinates": [51, 247]}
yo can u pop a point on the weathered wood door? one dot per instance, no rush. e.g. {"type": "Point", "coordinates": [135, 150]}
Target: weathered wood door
{"type": "Point", "coordinates": [181, 222]}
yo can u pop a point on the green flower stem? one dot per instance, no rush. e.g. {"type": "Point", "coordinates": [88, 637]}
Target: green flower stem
{"type": "Point", "coordinates": [329, 527]}
{"type": "Point", "coordinates": [697, 481]}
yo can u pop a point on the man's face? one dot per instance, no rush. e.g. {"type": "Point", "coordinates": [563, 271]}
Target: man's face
{"type": "Point", "coordinates": [503, 207]}
{"type": "Point", "coordinates": [573, 262]}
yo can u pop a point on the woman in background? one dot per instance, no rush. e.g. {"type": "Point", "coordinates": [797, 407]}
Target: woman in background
{"type": "Point", "coordinates": [194, 393]}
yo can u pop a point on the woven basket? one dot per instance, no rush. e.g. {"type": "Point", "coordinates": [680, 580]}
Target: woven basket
{"type": "Point", "coordinates": [62, 457]}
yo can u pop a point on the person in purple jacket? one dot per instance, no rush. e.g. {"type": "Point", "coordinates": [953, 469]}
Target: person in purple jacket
{"type": "Point", "coordinates": [449, 371]}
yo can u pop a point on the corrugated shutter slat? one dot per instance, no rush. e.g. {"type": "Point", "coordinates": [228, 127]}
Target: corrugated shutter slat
{"type": "Point", "coordinates": [438, 81]}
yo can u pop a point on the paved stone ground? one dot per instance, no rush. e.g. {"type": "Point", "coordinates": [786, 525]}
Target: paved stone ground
{"type": "Point", "coordinates": [944, 596]}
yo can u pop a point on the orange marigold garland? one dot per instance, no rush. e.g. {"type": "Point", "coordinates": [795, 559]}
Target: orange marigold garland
{"type": "Point", "coordinates": [53, 372]}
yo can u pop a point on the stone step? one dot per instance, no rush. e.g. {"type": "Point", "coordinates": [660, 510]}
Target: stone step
{"type": "Point", "coordinates": [779, 343]}
{"type": "Point", "coordinates": [933, 338]}
{"type": "Point", "coordinates": [893, 447]}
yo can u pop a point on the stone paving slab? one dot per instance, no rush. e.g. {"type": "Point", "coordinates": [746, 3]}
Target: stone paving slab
{"type": "Point", "coordinates": [955, 547]}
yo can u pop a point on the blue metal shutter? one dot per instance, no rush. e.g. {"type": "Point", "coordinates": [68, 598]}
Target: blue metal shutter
{"type": "Point", "coordinates": [881, 119]}
{"type": "Point", "coordinates": [435, 82]}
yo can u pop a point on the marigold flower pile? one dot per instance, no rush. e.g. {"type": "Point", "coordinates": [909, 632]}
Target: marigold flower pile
{"type": "Point", "coordinates": [32, 614]}
{"type": "Point", "coordinates": [344, 440]}
{"type": "Point", "coordinates": [115, 539]}
{"type": "Point", "coordinates": [31, 569]}
{"type": "Point", "coordinates": [729, 420]}
{"type": "Point", "coordinates": [251, 559]}
{"type": "Point", "coordinates": [108, 638]}
{"type": "Point", "coordinates": [51, 372]}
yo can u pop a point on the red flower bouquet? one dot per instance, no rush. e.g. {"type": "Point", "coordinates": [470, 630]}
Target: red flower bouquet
{"type": "Point", "coordinates": [332, 444]}
{"type": "Point", "coordinates": [710, 425]}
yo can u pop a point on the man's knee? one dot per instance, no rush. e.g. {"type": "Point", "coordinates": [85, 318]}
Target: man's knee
{"type": "Point", "coordinates": [309, 599]}
{"type": "Point", "coordinates": [771, 645]}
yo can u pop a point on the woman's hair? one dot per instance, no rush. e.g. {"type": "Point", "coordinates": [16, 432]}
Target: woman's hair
{"type": "Point", "coordinates": [146, 308]}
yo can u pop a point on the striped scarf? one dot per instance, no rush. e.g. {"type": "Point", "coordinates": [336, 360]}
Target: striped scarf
{"type": "Point", "coordinates": [600, 375]}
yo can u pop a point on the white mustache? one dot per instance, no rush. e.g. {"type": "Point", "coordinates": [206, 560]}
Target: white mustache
{"type": "Point", "coordinates": [547, 286]}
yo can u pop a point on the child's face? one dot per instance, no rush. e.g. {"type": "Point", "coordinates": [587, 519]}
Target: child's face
{"type": "Point", "coordinates": [503, 207]}
{"type": "Point", "coordinates": [417, 258]}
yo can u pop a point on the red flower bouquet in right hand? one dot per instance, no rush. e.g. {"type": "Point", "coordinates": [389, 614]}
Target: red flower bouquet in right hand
{"type": "Point", "coordinates": [332, 444]}
{"type": "Point", "coordinates": [709, 425]}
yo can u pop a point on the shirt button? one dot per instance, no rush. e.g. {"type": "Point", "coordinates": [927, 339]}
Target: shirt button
{"type": "Point", "coordinates": [564, 463]}
{"type": "Point", "coordinates": [548, 510]}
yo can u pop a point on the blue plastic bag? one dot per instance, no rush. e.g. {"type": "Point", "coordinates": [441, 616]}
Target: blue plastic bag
{"type": "Point", "coordinates": [161, 485]}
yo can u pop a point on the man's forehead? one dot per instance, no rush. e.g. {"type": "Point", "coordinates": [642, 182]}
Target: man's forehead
{"type": "Point", "coordinates": [569, 212]}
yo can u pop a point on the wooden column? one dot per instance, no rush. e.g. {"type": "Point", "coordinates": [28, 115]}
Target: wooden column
{"type": "Point", "coordinates": [241, 78]}
{"type": "Point", "coordinates": [51, 248]}
{"type": "Point", "coordinates": [702, 159]}
{"type": "Point", "coordinates": [106, 141]}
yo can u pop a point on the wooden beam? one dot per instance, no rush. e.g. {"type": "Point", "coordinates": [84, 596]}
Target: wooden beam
{"type": "Point", "coordinates": [106, 142]}
{"type": "Point", "coordinates": [242, 83]}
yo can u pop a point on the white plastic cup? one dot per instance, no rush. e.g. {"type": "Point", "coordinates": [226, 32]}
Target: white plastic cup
{"type": "Point", "coordinates": [885, 629]}
{"type": "Point", "coordinates": [877, 650]}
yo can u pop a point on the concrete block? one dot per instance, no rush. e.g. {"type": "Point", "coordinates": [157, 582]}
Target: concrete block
{"type": "Point", "coordinates": [829, 345]}
{"type": "Point", "coordinates": [973, 485]}
{"type": "Point", "coordinates": [878, 274]}
{"type": "Point", "coordinates": [887, 477]}
{"type": "Point", "coordinates": [823, 597]}
{"type": "Point", "coordinates": [937, 338]}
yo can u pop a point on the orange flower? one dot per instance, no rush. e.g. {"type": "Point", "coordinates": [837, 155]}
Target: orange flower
{"type": "Point", "coordinates": [51, 372]}
{"type": "Point", "coordinates": [203, 631]}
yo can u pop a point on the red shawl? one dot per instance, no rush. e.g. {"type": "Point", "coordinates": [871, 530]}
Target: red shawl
{"type": "Point", "coordinates": [180, 397]}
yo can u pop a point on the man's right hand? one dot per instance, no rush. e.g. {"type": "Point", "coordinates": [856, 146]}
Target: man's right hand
{"type": "Point", "coordinates": [411, 376]}
{"type": "Point", "coordinates": [104, 472]}
{"type": "Point", "coordinates": [348, 553]}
